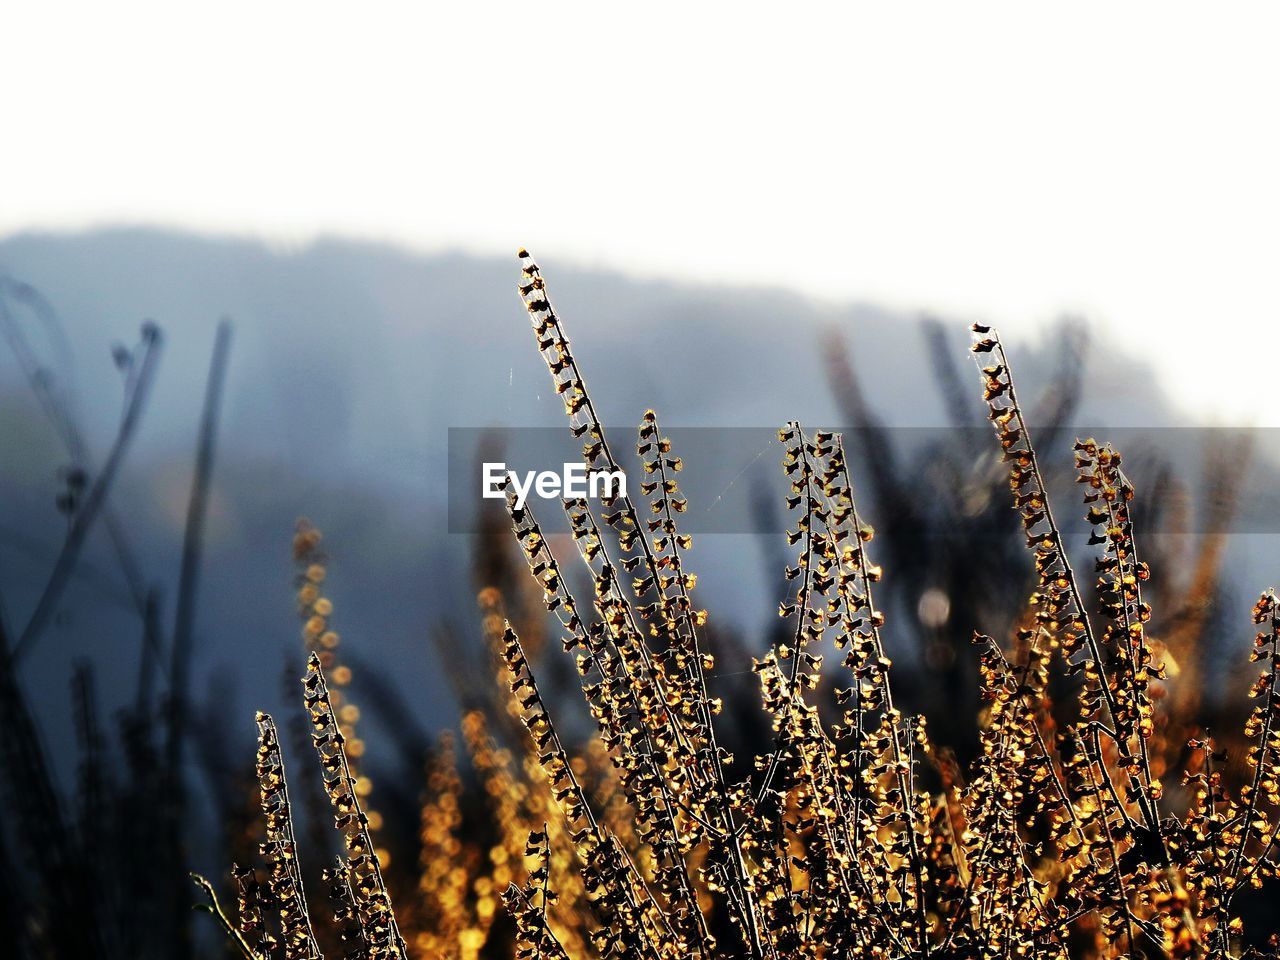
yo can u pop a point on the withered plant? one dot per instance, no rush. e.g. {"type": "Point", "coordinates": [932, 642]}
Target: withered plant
{"type": "Point", "coordinates": [848, 834]}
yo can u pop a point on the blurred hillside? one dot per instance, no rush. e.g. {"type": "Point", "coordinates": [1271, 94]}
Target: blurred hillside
{"type": "Point", "coordinates": [350, 361]}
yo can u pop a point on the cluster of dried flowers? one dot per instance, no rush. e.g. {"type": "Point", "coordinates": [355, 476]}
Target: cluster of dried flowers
{"type": "Point", "coordinates": [849, 835]}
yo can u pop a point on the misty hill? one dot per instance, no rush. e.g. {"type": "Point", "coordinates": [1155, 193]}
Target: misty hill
{"type": "Point", "coordinates": [349, 364]}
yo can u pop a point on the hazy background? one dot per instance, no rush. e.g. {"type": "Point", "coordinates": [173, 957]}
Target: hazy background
{"type": "Point", "coordinates": [1004, 160]}
{"type": "Point", "coordinates": [350, 364]}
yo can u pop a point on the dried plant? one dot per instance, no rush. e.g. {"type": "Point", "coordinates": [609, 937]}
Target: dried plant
{"type": "Point", "coordinates": [849, 834]}
{"type": "Point", "coordinates": [280, 850]}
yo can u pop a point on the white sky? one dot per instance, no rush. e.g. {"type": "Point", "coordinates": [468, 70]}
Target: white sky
{"type": "Point", "coordinates": [1000, 160]}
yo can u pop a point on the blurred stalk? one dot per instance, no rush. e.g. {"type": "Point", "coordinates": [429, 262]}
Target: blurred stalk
{"type": "Point", "coordinates": [183, 628]}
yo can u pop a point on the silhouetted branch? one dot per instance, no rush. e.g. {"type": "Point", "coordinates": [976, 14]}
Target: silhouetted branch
{"type": "Point", "coordinates": [135, 402]}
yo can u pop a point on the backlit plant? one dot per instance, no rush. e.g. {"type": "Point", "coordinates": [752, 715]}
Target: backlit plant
{"type": "Point", "coordinates": [847, 834]}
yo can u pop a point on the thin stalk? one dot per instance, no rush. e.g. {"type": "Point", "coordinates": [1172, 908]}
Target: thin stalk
{"type": "Point", "coordinates": [65, 565]}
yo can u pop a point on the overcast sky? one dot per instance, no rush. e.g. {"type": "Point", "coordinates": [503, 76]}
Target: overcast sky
{"type": "Point", "coordinates": [1004, 161]}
